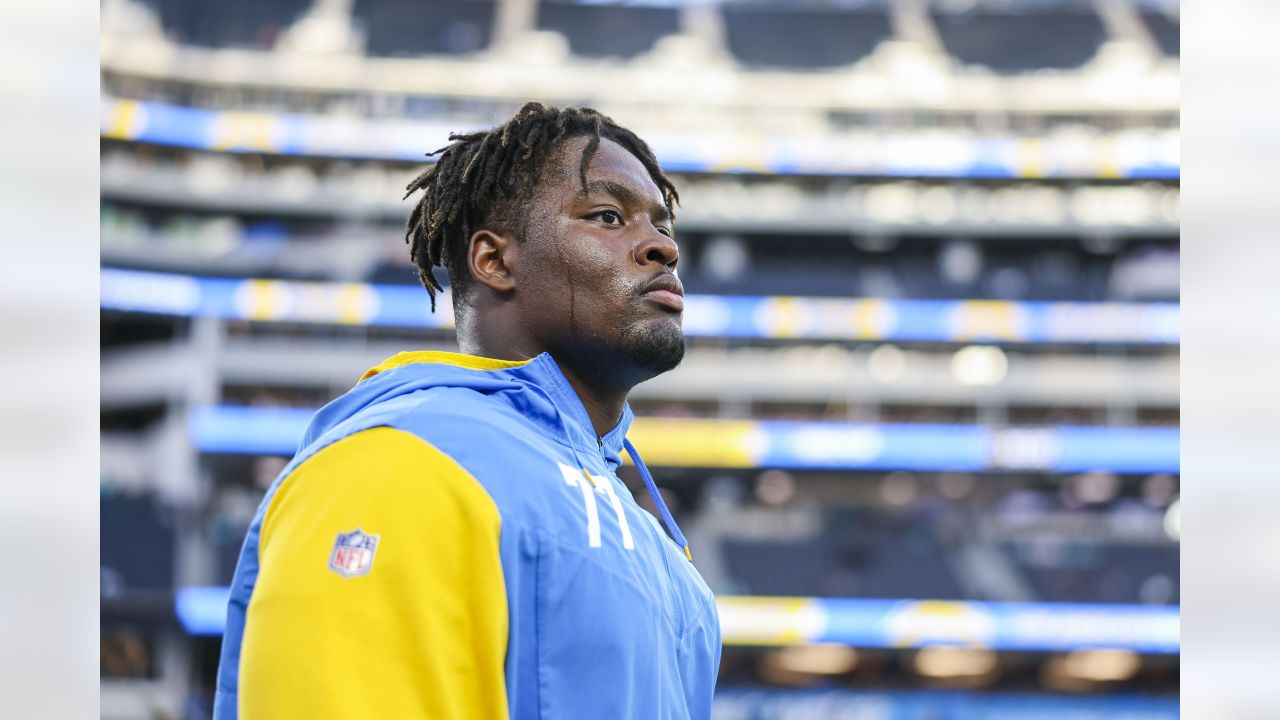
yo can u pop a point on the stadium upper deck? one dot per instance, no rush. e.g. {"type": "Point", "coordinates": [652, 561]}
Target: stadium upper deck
{"type": "Point", "coordinates": [737, 56]}
{"type": "Point", "coordinates": [1012, 36]}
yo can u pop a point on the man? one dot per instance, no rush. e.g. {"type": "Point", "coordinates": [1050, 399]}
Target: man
{"type": "Point", "coordinates": [451, 540]}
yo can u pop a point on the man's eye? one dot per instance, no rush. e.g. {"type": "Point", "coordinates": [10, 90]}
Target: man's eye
{"type": "Point", "coordinates": [609, 217]}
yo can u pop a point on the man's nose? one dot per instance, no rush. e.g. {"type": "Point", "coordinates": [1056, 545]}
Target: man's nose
{"type": "Point", "coordinates": [658, 248]}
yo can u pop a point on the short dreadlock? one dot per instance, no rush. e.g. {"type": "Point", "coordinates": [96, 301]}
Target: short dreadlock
{"type": "Point", "coordinates": [485, 179]}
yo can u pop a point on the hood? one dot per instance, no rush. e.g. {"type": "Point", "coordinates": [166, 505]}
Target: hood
{"type": "Point", "coordinates": [536, 388]}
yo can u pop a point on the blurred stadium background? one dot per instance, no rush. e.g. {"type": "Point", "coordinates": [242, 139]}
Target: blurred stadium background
{"type": "Point", "coordinates": [925, 440]}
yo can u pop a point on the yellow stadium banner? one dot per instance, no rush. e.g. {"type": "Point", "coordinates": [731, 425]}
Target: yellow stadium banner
{"type": "Point", "coordinates": [698, 442]}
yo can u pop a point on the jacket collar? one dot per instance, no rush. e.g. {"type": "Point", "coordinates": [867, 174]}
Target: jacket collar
{"type": "Point", "coordinates": [544, 373]}
{"type": "Point", "coordinates": [536, 388]}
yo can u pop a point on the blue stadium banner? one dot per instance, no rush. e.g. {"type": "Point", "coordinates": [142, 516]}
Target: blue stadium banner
{"type": "Point", "coordinates": [818, 445]}
{"type": "Point", "coordinates": [1045, 627]}
{"type": "Point", "coordinates": [202, 609]}
{"type": "Point", "coordinates": [402, 139]}
{"type": "Point", "coordinates": [776, 621]}
{"type": "Point", "coordinates": [744, 703]}
{"type": "Point", "coordinates": [407, 306]}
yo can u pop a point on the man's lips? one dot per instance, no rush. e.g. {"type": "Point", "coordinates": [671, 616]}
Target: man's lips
{"type": "Point", "coordinates": [666, 291]}
{"type": "Point", "coordinates": [667, 298]}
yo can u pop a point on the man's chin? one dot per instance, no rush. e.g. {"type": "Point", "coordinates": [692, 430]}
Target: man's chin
{"type": "Point", "coordinates": [656, 346]}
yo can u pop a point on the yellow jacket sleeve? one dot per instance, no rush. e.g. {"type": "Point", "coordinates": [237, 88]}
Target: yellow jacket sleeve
{"type": "Point", "coordinates": [421, 634]}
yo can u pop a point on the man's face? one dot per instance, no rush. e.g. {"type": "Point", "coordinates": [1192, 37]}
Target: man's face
{"type": "Point", "coordinates": [598, 284]}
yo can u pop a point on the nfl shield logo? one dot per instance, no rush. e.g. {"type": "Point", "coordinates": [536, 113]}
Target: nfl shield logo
{"type": "Point", "coordinates": [353, 553]}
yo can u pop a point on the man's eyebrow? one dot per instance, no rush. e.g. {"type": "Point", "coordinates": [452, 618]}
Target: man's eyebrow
{"type": "Point", "coordinates": [628, 196]}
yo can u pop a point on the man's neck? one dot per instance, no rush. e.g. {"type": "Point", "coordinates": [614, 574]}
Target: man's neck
{"type": "Point", "coordinates": [603, 403]}
{"type": "Point", "coordinates": [603, 407]}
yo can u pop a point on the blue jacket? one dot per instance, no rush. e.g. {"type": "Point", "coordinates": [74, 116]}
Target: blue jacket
{"type": "Point", "coordinates": [452, 541]}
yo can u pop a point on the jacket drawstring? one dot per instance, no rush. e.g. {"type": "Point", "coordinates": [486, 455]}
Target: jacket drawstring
{"type": "Point", "coordinates": [667, 519]}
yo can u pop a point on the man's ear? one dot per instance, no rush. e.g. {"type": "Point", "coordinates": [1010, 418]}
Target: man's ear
{"type": "Point", "coordinates": [491, 257]}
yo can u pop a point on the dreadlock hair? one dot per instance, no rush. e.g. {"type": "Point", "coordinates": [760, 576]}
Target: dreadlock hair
{"type": "Point", "coordinates": [486, 178]}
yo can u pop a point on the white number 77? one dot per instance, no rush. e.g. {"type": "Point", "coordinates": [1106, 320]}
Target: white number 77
{"type": "Point", "coordinates": [587, 484]}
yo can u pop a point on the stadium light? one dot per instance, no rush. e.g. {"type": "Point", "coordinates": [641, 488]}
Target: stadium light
{"type": "Point", "coordinates": [944, 662]}
{"type": "Point", "coordinates": [805, 664]}
{"type": "Point", "coordinates": [1085, 670]}
{"type": "Point", "coordinates": [980, 365]}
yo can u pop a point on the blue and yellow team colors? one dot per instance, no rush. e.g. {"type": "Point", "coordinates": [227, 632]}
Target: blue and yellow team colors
{"type": "Point", "coordinates": [452, 541]}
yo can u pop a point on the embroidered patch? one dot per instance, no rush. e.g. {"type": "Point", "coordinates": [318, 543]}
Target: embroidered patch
{"type": "Point", "coordinates": [353, 553]}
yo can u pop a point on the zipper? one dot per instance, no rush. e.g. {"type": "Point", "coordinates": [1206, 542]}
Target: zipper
{"type": "Point", "coordinates": [658, 540]}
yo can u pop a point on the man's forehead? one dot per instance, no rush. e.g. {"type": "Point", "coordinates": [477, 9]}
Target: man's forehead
{"type": "Point", "coordinates": [612, 168]}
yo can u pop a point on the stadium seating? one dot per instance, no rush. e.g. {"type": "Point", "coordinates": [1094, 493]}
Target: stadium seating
{"type": "Point", "coordinates": [137, 549]}
{"type": "Point", "coordinates": [230, 23]}
{"type": "Point", "coordinates": [607, 31]}
{"type": "Point", "coordinates": [865, 552]}
{"type": "Point", "coordinates": [760, 36]}
{"type": "Point", "coordinates": [1021, 42]}
{"type": "Point", "coordinates": [433, 27]}
{"type": "Point", "coordinates": [1165, 30]}
{"type": "Point", "coordinates": [1103, 573]}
